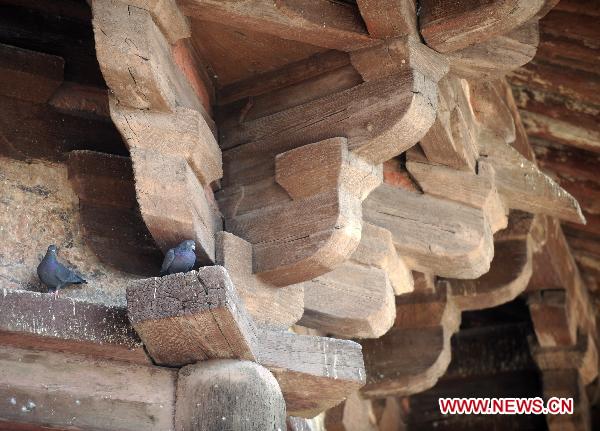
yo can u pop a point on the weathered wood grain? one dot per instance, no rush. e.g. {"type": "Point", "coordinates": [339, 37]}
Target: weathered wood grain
{"type": "Point", "coordinates": [553, 316]}
{"type": "Point", "coordinates": [416, 351]}
{"type": "Point", "coordinates": [497, 56]}
{"type": "Point", "coordinates": [310, 220]}
{"type": "Point", "coordinates": [523, 186]}
{"type": "Point", "coordinates": [432, 234]}
{"type": "Point", "coordinates": [185, 318]}
{"type": "Point", "coordinates": [449, 26]}
{"type": "Point", "coordinates": [29, 75]}
{"type": "Point", "coordinates": [314, 373]}
{"type": "Point", "coordinates": [476, 190]}
{"type": "Point", "coordinates": [228, 395]}
{"type": "Point", "coordinates": [168, 17]}
{"type": "Point", "coordinates": [270, 306]}
{"type": "Point", "coordinates": [386, 19]}
{"type": "Point", "coordinates": [67, 391]}
{"type": "Point", "coordinates": [321, 23]}
{"type": "Point", "coordinates": [356, 300]}
{"type": "Point", "coordinates": [38, 321]}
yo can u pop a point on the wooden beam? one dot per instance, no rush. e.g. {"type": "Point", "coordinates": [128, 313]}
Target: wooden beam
{"type": "Point", "coordinates": [196, 316]}
{"type": "Point", "coordinates": [270, 306]}
{"type": "Point", "coordinates": [461, 234]}
{"type": "Point", "coordinates": [37, 321]}
{"type": "Point", "coordinates": [321, 23]}
{"type": "Point", "coordinates": [60, 390]}
{"type": "Point", "coordinates": [385, 19]}
{"type": "Point", "coordinates": [416, 351]}
{"type": "Point", "coordinates": [447, 27]}
{"type": "Point", "coordinates": [356, 300]}
{"type": "Point", "coordinates": [227, 394]}
{"type": "Point", "coordinates": [29, 75]}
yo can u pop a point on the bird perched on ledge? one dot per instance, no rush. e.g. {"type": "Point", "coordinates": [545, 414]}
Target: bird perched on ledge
{"type": "Point", "coordinates": [54, 274]}
{"type": "Point", "coordinates": [179, 259]}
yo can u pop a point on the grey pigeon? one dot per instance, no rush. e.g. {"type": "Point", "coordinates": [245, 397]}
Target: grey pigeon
{"type": "Point", "coordinates": [54, 274]}
{"type": "Point", "coordinates": [179, 259]}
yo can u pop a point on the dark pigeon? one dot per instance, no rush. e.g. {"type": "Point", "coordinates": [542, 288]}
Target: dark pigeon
{"type": "Point", "coordinates": [54, 274]}
{"type": "Point", "coordinates": [179, 259]}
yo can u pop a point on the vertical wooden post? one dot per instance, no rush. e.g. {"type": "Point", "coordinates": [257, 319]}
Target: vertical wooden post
{"type": "Point", "coordinates": [226, 394]}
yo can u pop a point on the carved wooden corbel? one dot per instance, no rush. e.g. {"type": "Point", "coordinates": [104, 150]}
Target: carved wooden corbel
{"type": "Point", "coordinates": [168, 130]}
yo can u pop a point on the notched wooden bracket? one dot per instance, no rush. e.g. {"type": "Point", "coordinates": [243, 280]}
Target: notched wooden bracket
{"type": "Point", "coordinates": [356, 300]}
{"type": "Point", "coordinates": [306, 218]}
{"type": "Point", "coordinates": [185, 318]}
{"type": "Point", "coordinates": [432, 234]}
{"type": "Point", "coordinates": [416, 351]}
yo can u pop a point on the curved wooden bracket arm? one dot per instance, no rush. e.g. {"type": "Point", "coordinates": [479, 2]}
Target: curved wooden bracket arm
{"type": "Point", "coordinates": [313, 227]}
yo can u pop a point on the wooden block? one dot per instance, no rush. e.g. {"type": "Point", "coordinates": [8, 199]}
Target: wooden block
{"type": "Point", "coordinates": [583, 356]}
{"type": "Point", "coordinates": [497, 56]}
{"type": "Point", "coordinates": [184, 133]}
{"type": "Point", "coordinates": [552, 313]}
{"type": "Point", "coordinates": [314, 373]}
{"type": "Point", "coordinates": [567, 384]}
{"type": "Point", "coordinates": [356, 300]}
{"type": "Point", "coordinates": [173, 24]}
{"type": "Point", "coordinates": [185, 318]}
{"type": "Point", "coordinates": [508, 277]}
{"type": "Point", "coordinates": [452, 139]}
{"type": "Point", "coordinates": [176, 207]}
{"type": "Point", "coordinates": [33, 320]}
{"type": "Point", "coordinates": [389, 19]}
{"type": "Point", "coordinates": [270, 306]}
{"type": "Point", "coordinates": [65, 391]}
{"type": "Point", "coordinates": [228, 394]}
{"type": "Point", "coordinates": [29, 75]}
{"type": "Point", "coordinates": [476, 190]}
{"type": "Point", "coordinates": [431, 234]}
{"type": "Point", "coordinates": [309, 222]}
{"type": "Point", "coordinates": [491, 111]}
{"type": "Point", "coordinates": [321, 23]}
{"type": "Point", "coordinates": [381, 117]}
{"type": "Point", "coordinates": [135, 57]}
{"type": "Point", "coordinates": [523, 186]}
{"type": "Point", "coordinates": [416, 351]}
{"type": "Point", "coordinates": [447, 27]}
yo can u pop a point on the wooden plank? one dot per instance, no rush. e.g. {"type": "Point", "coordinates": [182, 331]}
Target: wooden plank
{"type": "Point", "coordinates": [315, 373]}
{"type": "Point", "coordinates": [321, 23]}
{"type": "Point", "coordinates": [60, 390]}
{"type": "Point", "coordinates": [29, 75]}
{"type": "Point", "coordinates": [416, 351]}
{"type": "Point", "coordinates": [552, 313]}
{"type": "Point", "coordinates": [38, 321]}
{"type": "Point", "coordinates": [476, 190]}
{"type": "Point", "coordinates": [185, 318]}
{"type": "Point", "coordinates": [385, 19]}
{"type": "Point", "coordinates": [356, 300]}
{"type": "Point", "coordinates": [325, 199]}
{"type": "Point", "coordinates": [270, 306]}
{"type": "Point", "coordinates": [449, 26]}
{"type": "Point", "coordinates": [452, 139]}
{"type": "Point", "coordinates": [228, 394]}
{"type": "Point", "coordinates": [432, 234]}
{"type": "Point", "coordinates": [523, 186]}
{"type": "Point", "coordinates": [497, 56]}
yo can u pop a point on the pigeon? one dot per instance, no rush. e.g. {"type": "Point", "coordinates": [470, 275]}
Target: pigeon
{"type": "Point", "coordinates": [179, 259]}
{"type": "Point", "coordinates": [54, 274]}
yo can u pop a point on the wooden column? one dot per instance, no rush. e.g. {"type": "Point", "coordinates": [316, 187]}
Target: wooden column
{"type": "Point", "coordinates": [228, 395]}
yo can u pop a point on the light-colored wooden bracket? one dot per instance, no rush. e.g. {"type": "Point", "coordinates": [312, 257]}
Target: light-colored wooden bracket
{"type": "Point", "coordinates": [185, 318]}
{"type": "Point", "coordinates": [162, 119]}
{"type": "Point", "coordinates": [416, 351]}
{"type": "Point", "coordinates": [510, 270]}
{"type": "Point", "coordinates": [356, 300]}
{"type": "Point", "coordinates": [432, 234]}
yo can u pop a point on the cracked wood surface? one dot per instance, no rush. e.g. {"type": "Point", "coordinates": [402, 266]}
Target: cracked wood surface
{"type": "Point", "coordinates": [183, 319]}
